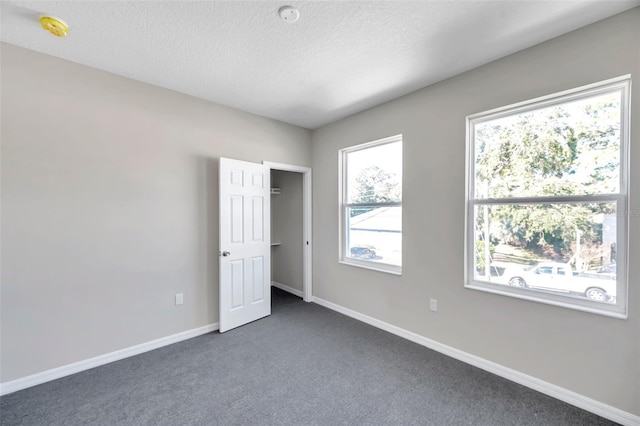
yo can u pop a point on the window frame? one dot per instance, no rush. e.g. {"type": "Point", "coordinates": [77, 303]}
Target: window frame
{"type": "Point", "coordinates": [620, 84]}
{"type": "Point", "coordinates": [344, 206]}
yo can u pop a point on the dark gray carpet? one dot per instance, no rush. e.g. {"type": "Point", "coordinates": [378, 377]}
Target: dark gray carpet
{"type": "Point", "coordinates": [302, 365]}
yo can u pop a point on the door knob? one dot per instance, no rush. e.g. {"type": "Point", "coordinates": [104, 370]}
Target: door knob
{"type": "Point", "coordinates": [226, 253]}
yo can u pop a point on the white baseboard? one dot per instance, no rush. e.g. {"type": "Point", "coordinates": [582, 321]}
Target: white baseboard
{"type": "Point", "coordinates": [287, 289]}
{"type": "Point", "coordinates": [76, 367]}
{"type": "Point", "coordinates": [570, 397]}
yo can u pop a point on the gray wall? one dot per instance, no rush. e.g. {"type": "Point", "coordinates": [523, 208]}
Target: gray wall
{"type": "Point", "coordinates": [110, 207]}
{"type": "Point", "coordinates": [287, 229]}
{"type": "Point", "coordinates": [593, 355]}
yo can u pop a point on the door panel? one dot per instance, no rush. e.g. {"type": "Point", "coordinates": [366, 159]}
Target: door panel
{"type": "Point", "coordinates": [257, 267]}
{"type": "Point", "coordinates": [236, 281]}
{"type": "Point", "coordinates": [257, 214]}
{"type": "Point", "coordinates": [258, 180]}
{"type": "Point", "coordinates": [236, 220]}
{"type": "Point", "coordinates": [245, 237]}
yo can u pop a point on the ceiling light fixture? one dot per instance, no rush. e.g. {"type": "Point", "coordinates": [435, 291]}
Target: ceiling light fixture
{"type": "Point", "coordinates": [55, 26]}
{"type": "Point", "coordinates": [289, 13]}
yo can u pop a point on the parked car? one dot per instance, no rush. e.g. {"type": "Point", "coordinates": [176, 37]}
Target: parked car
{"type": "Point", "coordinates": [560, 277]}
{"type": "Point", "coordinates": [362, 253]}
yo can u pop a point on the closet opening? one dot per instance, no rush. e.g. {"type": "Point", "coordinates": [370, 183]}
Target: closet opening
{"type": "Point", "coordinates": [291, 244]}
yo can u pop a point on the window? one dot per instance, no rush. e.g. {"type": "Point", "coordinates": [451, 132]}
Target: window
{"type": "Point", "coordinates": [371, 205]}
{"type": "Point", "coordinates": [547, 201]}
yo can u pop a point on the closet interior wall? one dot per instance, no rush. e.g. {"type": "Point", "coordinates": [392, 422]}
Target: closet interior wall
{"type": "Point", "coordinates": [287, 236]}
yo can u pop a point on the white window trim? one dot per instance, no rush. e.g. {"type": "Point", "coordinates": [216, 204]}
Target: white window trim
{"type": "Point", "coordinates": [342, 208]}
{"type": "Point", "coordinates": [620, 309]}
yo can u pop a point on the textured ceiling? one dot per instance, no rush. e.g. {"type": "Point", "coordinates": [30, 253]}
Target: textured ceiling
{"type": "Point", "coordinates": [341, 57]}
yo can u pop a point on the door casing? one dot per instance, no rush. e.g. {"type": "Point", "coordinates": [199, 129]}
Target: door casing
{"type": "Point", "coordinates": [307, 243]}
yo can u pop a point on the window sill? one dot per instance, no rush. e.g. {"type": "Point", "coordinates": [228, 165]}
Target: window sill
{"type": "Point", "coordinates": [379, 267]}
{"type": "Point", "coordinates": [549, 298]}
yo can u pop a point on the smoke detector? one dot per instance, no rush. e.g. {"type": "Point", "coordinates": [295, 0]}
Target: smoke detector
{"type": "Point", "coordinates": [289, 13]}
{"type": "Point", "coordinates": [55, 26]}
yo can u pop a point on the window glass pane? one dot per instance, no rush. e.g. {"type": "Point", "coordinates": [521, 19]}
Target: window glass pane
{"type": "Point", "coordinates": [564, 249]}
{"type": "Point", "coordinates": [568, 149]}
{"type": "Point", "coordinates": [374, 175]}
{"type": "Point", "coordinates": [375, 234]}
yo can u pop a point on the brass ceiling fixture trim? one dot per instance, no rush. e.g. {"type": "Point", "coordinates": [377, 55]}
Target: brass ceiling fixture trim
{"type": "Point", "coordinates": [55, 26]}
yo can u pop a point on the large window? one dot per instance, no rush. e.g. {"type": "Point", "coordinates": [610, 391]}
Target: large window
{"type": "Point", "coordinates": [371, 205]}
{"type": "Point", "coordinates": [547, 199]}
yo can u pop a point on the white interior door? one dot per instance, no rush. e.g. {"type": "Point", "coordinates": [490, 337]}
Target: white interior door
{"type": "Point", "coordinates": [245, 243]}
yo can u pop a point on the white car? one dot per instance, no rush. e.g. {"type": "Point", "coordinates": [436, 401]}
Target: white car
{"type": "Point", "coordinates": [560, 277]}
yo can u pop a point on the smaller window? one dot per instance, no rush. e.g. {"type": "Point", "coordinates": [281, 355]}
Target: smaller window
{"type": "Point", "coordinates": [371, 205]}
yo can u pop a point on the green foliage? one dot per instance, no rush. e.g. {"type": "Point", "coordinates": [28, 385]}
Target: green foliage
{"type": "Point", "coordinates": [480, 254]}
{"type": "Point", "coordinates": [374, 185]}
{"type": "Point", "coordinates": [568, 149]}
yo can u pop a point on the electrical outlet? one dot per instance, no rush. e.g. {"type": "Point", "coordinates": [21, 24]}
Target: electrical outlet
{"type": "Point", "coordinates": [433, 305]}
{"type": "Point", "coordinates": [179, 299]}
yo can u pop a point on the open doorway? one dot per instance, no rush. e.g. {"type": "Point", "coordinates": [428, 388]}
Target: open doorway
{"type": "Point", "coordinates": [291, 229]}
